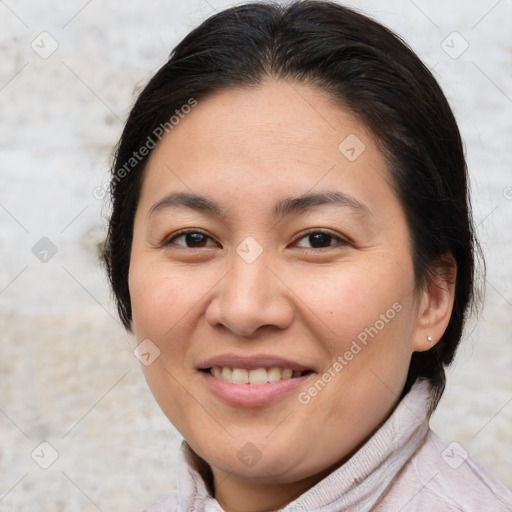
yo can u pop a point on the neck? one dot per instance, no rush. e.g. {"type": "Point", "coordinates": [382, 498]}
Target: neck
{"type": "Point", "coordinates": [242, 495]}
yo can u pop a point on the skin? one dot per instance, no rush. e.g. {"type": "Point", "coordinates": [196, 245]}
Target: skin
{"type": "Point", "coordinates": [248, 150]}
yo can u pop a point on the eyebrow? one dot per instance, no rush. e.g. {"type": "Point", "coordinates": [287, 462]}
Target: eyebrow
{"type": "Point", "coordinates": [283, 208]}
{"type": "Point", "coordinates": [308, 201]}
{"type": "Point", "coordinates": [192, 201]}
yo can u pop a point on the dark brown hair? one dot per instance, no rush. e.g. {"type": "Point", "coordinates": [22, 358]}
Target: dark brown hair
{"type": "Point", "coordinates": [365, 68]}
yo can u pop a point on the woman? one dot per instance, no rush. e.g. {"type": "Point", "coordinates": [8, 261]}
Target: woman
{"type": "Point", "coordinates": [291, 244]}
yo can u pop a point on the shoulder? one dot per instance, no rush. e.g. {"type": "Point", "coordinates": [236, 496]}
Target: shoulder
{"type": "Point", "coordinates": [167, 503]}
{"type": "Point", "coordinates": [443, 476]}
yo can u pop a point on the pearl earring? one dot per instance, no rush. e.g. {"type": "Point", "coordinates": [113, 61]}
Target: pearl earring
{"type": "Point", "coordinates": [429, 339]}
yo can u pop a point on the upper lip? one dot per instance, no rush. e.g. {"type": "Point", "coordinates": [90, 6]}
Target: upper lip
{"type": "Point", "coordinates": [251, 362]}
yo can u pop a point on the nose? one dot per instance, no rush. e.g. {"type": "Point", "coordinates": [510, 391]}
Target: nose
{"type": "Point", "coordinates": [250, 297]}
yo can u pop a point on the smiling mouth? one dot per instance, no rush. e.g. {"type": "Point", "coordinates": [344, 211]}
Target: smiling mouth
{"type": "Point", "coordinates": [257, 376]}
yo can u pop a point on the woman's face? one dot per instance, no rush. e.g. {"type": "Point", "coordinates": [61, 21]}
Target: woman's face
{"type": "Point", "coordinates": [295, 275]}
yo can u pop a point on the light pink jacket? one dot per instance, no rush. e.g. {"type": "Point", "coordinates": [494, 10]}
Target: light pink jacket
{"type": "Point", "coordinates": [403, 467]}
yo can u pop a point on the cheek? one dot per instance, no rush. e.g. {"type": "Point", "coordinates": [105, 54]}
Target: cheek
{"type": "Point", "coordinates": [157, 297]}
{"type": "Point", "coordinates": [150, 297]}
{"type": "Point", "coordinates": [364, 321]}
{"type": "Point", "coordinates": [162, 307]}
{"type": "Point", "coordinates": [166, 301]}
{"type": "Point", "coordinates": [348, 304]}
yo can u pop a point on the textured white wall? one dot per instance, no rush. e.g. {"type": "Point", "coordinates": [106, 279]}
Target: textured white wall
{"type": "Point", "coordinates": [67, 372]}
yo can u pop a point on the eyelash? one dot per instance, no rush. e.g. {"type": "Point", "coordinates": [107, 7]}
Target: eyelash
{"type": "Point", "coordinates": [340, 240]}
{"type": "Point", "coordinates": [169, 240]}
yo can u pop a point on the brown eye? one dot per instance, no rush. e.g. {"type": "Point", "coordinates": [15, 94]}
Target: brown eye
{"type": "Point", "coordinates": [319, 240]}
{"type": "Point", "coordinates": [191, 239]}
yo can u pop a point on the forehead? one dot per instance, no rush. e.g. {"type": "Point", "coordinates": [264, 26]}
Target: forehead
{"type": "Point", "coordinates": [264, 141]}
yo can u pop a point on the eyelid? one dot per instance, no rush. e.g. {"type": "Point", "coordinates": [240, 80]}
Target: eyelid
{"type": "Point", "coordinates": [341, 239]}
{"type": "Point", "coordinates": [168, 239]}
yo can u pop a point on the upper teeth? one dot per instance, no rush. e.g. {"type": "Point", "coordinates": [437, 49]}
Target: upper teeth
{"type": "Point", "coordinates": [258, 376]}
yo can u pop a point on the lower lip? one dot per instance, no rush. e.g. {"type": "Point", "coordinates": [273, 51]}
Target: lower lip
{"type": "Point", "coordinates": [252, 395]}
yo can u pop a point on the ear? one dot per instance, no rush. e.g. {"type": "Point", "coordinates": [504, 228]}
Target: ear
{"type": "Point", "coordinates": [435, 305]}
